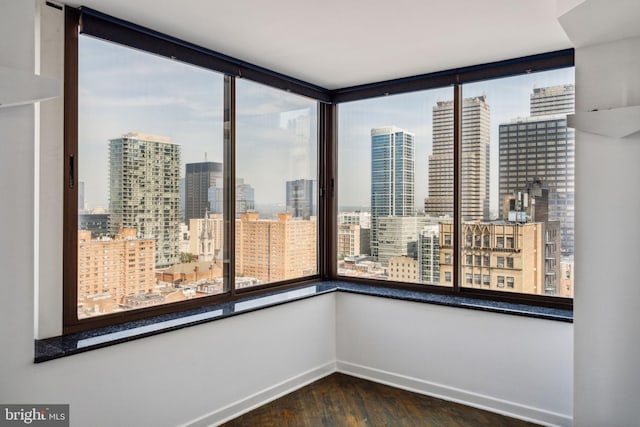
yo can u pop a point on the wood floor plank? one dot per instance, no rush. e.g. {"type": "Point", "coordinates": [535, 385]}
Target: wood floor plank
{"type": "Point", "coordinates": [346, 401]}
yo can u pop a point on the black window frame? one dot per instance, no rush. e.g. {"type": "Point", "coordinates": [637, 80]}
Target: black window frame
{"type": "Point", "coordinates": [97, 24]}
{"type": "Point", "coordinates": [90, 22]}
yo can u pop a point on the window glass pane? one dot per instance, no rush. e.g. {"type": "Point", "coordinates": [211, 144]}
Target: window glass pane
{"type": "Point", "coordinates": [150, 168]}
{"type": "Point", "coordinates": [276, 185]}
{"type": "Point", "coordinates": [518, 180]}
{"type": "Point", "coordinates": [395, 166]}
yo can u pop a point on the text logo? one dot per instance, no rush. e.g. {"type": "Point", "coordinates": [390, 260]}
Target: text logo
{"type": "Point", "coordinates": [34, 415]}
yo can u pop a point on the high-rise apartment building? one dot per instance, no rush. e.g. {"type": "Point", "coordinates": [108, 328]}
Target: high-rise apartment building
{"type": "Point", "coordinates": [301, 198]}
{"type": "Point", "coordinates": [199, 178]}
{"type": "Point", "coordinates": [272, 250]}
{"type": "Point", "coordinates": [542, 148]}
{"type": "Point", "coordinates": [144, 191]}
{"type": "Point", "coordinates": [475, 160]}
{"type": "Point", "coordinates": [392, 176]}
{"type": "Point", "coordinates": [110, 269]}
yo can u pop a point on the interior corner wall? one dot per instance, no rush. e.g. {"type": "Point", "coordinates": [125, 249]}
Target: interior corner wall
{"type": "Point", "coordinates": [607, 318]}
{"type": "Point", "coordinates": [514, 365]}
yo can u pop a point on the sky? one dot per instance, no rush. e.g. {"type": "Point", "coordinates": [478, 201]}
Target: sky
{"type": "Point", "coordinates": [508, 98]}
{"type": "Point", "coordinates": [123, 90]}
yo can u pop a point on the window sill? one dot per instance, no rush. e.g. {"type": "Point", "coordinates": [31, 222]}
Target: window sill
{"type": "Point", "coordinates": [66, 345]}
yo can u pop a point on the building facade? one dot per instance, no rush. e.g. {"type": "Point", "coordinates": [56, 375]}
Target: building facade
{"type": "Point", "coordinates": [475, 160]}
{"type": "Point", "coordinates": [404, 269]}
{"type": "Point", "coordinates": [301, 196]}
{"type": "Point", "coordinates": [392, 176]}
{"type": "Point", "coordinates": [110, 269]}
{"type": "Point", "coordinates": [398, 235]}
{"type": "Point", "coordinates": [274, 250]}
{"type": "Point", "coordinates": [199, 178]}
{"type": "Point", "coordinates": [348, 240]}
{"type": "Point", "coordinates": [428, 256]}
{"type": "Point", "coordinates": [97, 223]}
{"type": "Point", "coordinates": [504, 256]}
{"type": "Point", "coordinates": [206, 237]}
{"type": "Point", "coordinates": [245, 197]}
{"type": "Point", "coordinates": [542, 148]}
{"type": "Point", "coordinates": [144, 191]}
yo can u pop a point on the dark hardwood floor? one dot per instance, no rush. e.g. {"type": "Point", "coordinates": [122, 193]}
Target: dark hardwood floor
{"type": "Point", "coordinates": [343, 400]}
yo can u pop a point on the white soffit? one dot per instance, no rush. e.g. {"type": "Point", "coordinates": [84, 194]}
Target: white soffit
{"type": "Point", "coordinates": [592, 22]}
{"type": "Point", "coordinates": [338, 43]}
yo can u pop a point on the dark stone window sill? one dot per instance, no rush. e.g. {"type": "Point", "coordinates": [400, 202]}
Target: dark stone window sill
{"type": "Point", "coordinates": [66, 345]}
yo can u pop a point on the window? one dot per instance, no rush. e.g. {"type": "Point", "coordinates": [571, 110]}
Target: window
{"type": "Point", "coordinates": [276, 185]}
{"type": "Point", "coordinates": [150, 158]}
{"type": "Point", "coordinates": [385, 190]}
{"type": "Point", "coordinates": [188, 185]}
{"type": "Point", "coordinates": [159, 148]}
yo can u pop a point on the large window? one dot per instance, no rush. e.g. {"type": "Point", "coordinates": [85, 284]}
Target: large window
{"type": "Point", "coordinates": [194, 178]}
{"type": "Point", "coordinates": [276, 185]}
{"type": "Point", "coordinates": [157, 149]}
{"type": "Point", "coordinates": [150, 180]}
{"type": "Point", "coordinates": [514, 186]}
{"type": "Point", "coordinates": [518, 170]}
{"type": "Point", "coordinates": [386, 154]}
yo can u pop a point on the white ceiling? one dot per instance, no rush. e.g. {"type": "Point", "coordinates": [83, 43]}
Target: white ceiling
{"type": "Point", "coordinates": [341, 43]}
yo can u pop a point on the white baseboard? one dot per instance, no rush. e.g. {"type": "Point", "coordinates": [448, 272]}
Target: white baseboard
{"type": "Point", "coordinates": [511, 409]}
{"type": "Point", "coordinates": [258, 399]}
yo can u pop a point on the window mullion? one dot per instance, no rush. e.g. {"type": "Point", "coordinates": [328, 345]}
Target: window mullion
{"type": "Point", "coordinates": [457, 185]}
{"type": "Point", "coordinates": [229, 183]}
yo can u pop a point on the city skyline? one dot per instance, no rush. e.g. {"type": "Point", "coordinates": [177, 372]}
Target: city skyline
{"type": "Point", "coordinates": [192, 117]}
{"type": "Point", "coordinates": [122, 90]}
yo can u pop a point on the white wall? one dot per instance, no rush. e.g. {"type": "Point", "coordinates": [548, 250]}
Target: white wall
{"type": "Point", "coordinates": [508, 363]}
{"type": "Point", "coordinates": [607, 295]}
{"type": "Point", "coordinates": [515, 365]}
{"type": "Point", "coordinates": [211, 371]}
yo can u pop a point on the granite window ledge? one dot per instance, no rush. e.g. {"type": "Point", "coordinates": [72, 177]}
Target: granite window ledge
{"type": "Point", "coordinates": [66, 345]}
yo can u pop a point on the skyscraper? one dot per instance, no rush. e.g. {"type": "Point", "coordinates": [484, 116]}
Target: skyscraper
{"type": "Point", "coordinates": [542, 148]}
{"type": "Point", "coordinates": [475, 160]}
{"type": "Point", "coordinates": [392, 176]}
{"type": "Point", "coordinates": [560, 99]}
{"type": "Point", "coordinates": [245, 197]}
{"type": "Point", "coordinates": [199, 178]}
{"type": "Point", "coordinates": [144, 191]}
{"type": "Point", "coordinates": [301, 198]}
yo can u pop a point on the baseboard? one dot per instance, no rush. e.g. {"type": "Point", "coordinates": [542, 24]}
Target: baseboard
{"type": "Point", "coordinates": [511, 409]}
{"type": "Point", "coordinates": [258, 399]}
